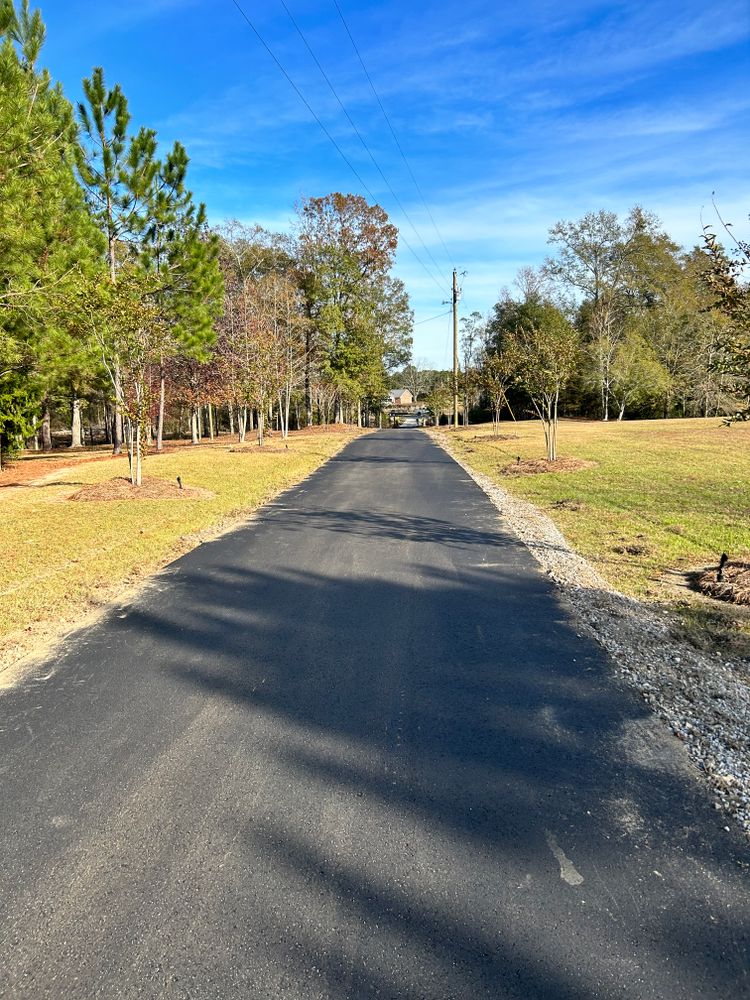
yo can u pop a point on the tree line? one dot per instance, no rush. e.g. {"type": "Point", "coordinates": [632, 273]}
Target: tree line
{"type": "Point", "coordinates": [619, 321]}
{"type": "Point", "coordinates": [124, 315]}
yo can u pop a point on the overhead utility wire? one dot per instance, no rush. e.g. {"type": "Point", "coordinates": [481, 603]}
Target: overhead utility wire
{"type": "Point", "coordinates": [393, 133]}
{"type": "Point", "coordinates": [359, 134]}
{"type": "Point", "coordinates": [338, 148]}
{"type": "Point", "coordinates": [430, 318]}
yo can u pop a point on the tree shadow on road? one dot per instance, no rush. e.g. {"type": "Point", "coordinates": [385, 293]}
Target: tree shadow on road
{"type": "Point", "coordinates": [461, 773]}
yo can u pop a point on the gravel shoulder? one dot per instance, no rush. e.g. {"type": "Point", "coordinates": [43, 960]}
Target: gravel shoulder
{"type": "Point", "coordinates": [704, 699]}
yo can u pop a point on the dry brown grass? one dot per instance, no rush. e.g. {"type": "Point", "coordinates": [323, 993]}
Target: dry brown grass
{"type": "Point", "coordinates": [65, 558]}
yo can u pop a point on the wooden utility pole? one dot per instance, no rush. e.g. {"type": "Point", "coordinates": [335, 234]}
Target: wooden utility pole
{"type": "Point", "coordinates": [455, 350]}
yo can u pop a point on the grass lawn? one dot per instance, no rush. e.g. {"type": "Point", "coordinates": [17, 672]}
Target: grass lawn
{"type": "Point", "coordinates": [62, 557]}
{"type": "Point", "coordinates": [661, 496]}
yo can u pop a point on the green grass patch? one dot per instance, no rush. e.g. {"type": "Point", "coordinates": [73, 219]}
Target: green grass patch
{"type": "Point", "coordinates": [661, 497]}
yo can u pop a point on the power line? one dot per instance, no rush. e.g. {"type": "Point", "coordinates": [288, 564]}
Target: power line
{"type": "Point", "coordinates": [359, 134]}
{"type": "Point", "coordinates": [338, 148]}
{"type": "Point", "coordinates": [430, 318]}
{"type": "Point", "coordinates": [393, 132]}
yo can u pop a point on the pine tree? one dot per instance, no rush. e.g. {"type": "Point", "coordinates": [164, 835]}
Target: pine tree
{"type": "Point", "coordinates": [118, 172]}
{"type": "Point", "coordinates": [47, 239]}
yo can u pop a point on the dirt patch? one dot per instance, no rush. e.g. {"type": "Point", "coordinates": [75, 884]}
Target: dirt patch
{"type": "Point", "coordinates": [567, 503]}
{"type": "Point", "coordinates": [121, 488]}
{"type": "Point", "coordinates": [534, 466]}
{"type": "Point", "coordinates": [495, 437]}
{"type": "Point", "coordinates": [37, 471]}
{"type": "Point", "coordinates": [639, 547]}
{"type": "Point", "coordinates": [255, 449]}
{"type": "Point", "coordinates": [328, 429]}
{"type": "Point", "coordinates": [733, 587]}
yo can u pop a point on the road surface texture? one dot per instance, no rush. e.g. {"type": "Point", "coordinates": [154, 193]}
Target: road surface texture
{"type": "Point", "coordinates": [356, 749]}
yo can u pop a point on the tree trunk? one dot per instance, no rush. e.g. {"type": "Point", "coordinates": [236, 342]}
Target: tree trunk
{"type": "Point", "coordinates": [242, 424]}
{"type": "Point", "coordinates": [261, 426]}
{"type": "Point", "coordinates": [359, 412]}
{"type": "Point", "coordinates": [285, 402]}
{"type": "Point", "coordinates": [308, 387]}
{"type": "Point", "coordinates": [117, 422]}
{"type": "Point", "coordinates": [194, 425]}
{"type": "Point", "coordinates": [46, 428]}
{"type": "Point", "coordinates": [128, 428]}
{"type": "Point", "coordinates": [137, 480]}
{"type": "Point", "coordinates": [33, 443]}
{"type": "Point", "coordinates": [231, 418]}
{"type": "Point", "coordinates": [75, 424]}
{"type": "Point", "coordinates": [210, 409]}
{"type": "Point", "coordinates": [553, 429]}
{"type": "Point", "coordinates": [160, 419]}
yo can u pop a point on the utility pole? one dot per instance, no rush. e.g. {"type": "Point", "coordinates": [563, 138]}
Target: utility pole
{"type": "Point", "coordinates": [455, 350]}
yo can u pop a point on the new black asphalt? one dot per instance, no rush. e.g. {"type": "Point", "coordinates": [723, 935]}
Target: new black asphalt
{"type": "Point", "coordinates": [356, 749]}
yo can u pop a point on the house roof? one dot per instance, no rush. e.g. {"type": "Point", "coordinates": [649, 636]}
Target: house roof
{"type": "Point", "coordinates": [394, 393]}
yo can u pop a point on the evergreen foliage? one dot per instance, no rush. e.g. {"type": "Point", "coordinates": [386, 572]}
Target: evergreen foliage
{"type": "Point", "coordinates": [48, 239]}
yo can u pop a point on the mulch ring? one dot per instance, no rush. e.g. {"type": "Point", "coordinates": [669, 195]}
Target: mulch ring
{"type": "Point", "coordinates": [489, 438]}
{"type": "Point", "coordinates": [121, 488]}
{"type": "Point", "coordinates": [734, 587]}
{"type": "Point", "coordinates": [255, 449]}
{"type": "Point", "coordinates": [533, 466]}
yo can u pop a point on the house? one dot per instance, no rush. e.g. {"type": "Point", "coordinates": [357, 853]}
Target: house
{"type": "Point", "coordinates": [400, 397]}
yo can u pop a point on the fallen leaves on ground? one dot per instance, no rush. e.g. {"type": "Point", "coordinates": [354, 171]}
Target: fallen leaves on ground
{"type": "Point", "coordinates": [533, 466]}
{"type": "Point", "coordinates": [151, 488]}
{"type": "Point", "coordinates": [733, 587]}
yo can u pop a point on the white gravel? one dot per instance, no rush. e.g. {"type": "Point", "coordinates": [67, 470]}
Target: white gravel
{"type": "Point", "coordinates": [703, 699]}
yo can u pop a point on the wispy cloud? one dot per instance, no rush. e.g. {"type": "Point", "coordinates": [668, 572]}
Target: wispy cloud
{"type": "Point", "coordinates": [512, 117]}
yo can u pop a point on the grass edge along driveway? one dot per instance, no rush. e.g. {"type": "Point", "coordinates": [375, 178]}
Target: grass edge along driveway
{"type": "Point", "coordinates": [655, 499]}
{"type": "Point", "coordinates": [69, 559]}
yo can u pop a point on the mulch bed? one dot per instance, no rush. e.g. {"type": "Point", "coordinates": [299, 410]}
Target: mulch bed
{"type": "Point", "coordinates": [734, 587]}
{"type": "Point", "coordinates": [255, 449]}
{"type": "Point", "coordinates": [121, 488]}
{"type": "Point", "coordinates": [324, 429]}
{"type": "Point", "coordinates": [26, 470]}
{"type": "Point", "coordinates": [533, 466]}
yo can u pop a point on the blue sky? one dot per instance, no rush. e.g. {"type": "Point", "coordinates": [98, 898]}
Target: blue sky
{"type": "Point", "coordinates": [512, 116]}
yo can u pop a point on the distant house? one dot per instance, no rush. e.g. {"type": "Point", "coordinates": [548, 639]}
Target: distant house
{"type": "Point", "coordinates": [400, 397]}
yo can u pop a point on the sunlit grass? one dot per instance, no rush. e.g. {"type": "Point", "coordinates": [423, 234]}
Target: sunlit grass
{"type": "Point", "coordinates": [61, 556]}
{"type": "Point", "coordinates": [674, 492]}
